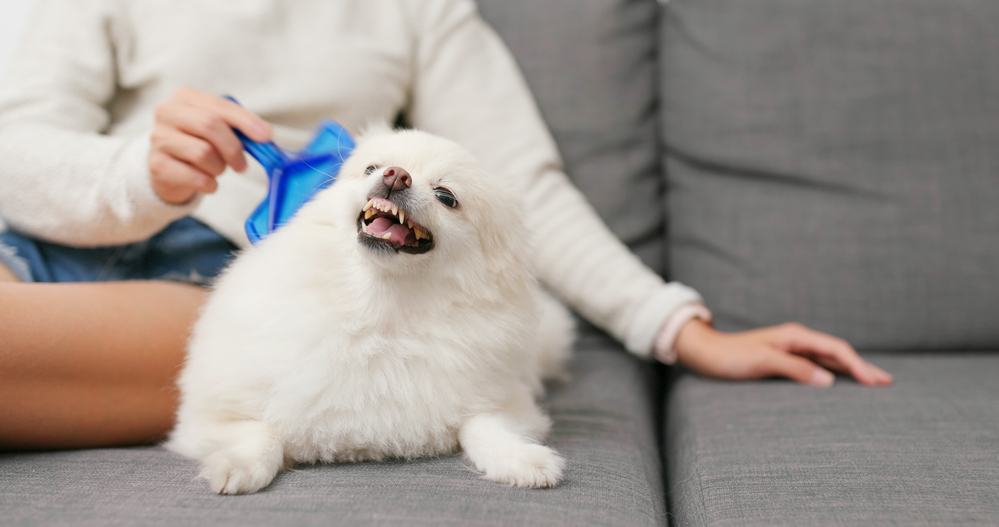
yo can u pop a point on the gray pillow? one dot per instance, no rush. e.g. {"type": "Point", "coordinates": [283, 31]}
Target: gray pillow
{"type": "Point", "coordinates": [591, 65]}
{"type": "Point", "coordinates": [837, 163]}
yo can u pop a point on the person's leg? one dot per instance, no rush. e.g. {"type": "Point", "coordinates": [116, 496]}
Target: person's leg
{"type": "Point", "coordinates": [91, 364]}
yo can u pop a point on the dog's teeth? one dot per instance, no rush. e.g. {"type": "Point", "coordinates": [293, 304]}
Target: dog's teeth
{"type": "Point", "coordinates": [402, 217]}
{"type": "Point", "coordinates": [419, 234]}
{"type": "Point", "coordinates": [368, 206]}
{"type": "Point", "coordinates": [395, 210]}
{"type": "Point", "coordinates": [387, 236]}
{"type": "Point", "coordinates": [369, 214]}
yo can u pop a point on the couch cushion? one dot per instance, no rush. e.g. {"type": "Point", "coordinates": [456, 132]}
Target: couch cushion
{"type": "Point", "coordinates": [603, 425]}
{"type": "Point", "coordinates": [591, 65]}
{"type": "Point", "coordinates": [836, 163]}
{"type": "Point", "coordinates": [922, 452]}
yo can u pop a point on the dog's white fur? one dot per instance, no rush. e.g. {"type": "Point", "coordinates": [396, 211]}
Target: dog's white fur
{"type": "Point", "coordinates": [316, 347]}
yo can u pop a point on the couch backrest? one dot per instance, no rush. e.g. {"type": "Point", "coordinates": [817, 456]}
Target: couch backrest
{"type": "Point", "coordinates": [837, 162]}
{"type": "Point", "coordinates": [592, 67]}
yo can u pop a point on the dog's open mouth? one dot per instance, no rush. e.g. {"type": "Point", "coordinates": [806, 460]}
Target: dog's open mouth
{"type": "Point", "coordinates": [383, 224]}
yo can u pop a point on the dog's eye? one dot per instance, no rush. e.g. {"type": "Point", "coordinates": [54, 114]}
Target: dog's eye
{"type": "Point", "coordinates": [369, 170]}
{"type": "Point", "coordinates": [445, 196]}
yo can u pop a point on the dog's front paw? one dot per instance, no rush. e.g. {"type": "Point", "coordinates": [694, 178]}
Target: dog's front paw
{"type": "Point", "coordinates": [229, 474]}
{"type": "Point", "coordinates": [529, 466]}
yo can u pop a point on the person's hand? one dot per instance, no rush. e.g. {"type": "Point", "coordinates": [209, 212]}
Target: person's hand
{"type": "Point", "coordinates": [193, 142]}
{"type": "Point", "coordinates": [789, 350]}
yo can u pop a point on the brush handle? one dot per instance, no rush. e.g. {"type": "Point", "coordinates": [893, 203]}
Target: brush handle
{"type": "Point", "coordinates": [267, 153]}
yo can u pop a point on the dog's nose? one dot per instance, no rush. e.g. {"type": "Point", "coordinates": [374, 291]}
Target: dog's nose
{"type": "Point", "coordinates": [397, 178]}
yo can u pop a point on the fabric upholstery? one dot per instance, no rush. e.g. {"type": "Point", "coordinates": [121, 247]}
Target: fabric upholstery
{"type": "Point", "coordinates": [922, 452]}
{"type": "Point", "coordinates": [835, 163]}
{"type": "Point", "coordinates": [591, 65]}
{"type": "Point", "coordinates": [603, 425]}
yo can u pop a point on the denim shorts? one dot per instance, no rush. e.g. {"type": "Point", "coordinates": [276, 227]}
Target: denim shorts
{"type": "Point", "coordinates": [185, 251]}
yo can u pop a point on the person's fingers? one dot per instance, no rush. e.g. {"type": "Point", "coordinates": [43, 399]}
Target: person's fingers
{"type": "Point", "coordinates": [189, 149]}
{"type": "Point", "coordinates": [780, 364]}
{"type": "Point", "coordinates": [832, 365]}
{"type": "Point", "coordinates": [799, 339]}
{"type": "Point", "coordinates": [207, 126]}
{"type": "Point", "coordinates": [175, 181]}
{"type": "Point", "coordinates": [235, 115]}
{"type": "Point", "coordinates": [884, 378]}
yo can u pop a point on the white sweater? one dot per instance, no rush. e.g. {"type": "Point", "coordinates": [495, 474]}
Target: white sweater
{"type": "Point", "coordinates": [77, 108]}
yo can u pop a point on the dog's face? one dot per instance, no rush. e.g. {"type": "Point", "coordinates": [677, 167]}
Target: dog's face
{"type": "Point", "coordinates": [414, 198]}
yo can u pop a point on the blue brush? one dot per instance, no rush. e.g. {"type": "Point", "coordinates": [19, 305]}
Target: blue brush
{"type": "Point", "coordinates": [294, 177]}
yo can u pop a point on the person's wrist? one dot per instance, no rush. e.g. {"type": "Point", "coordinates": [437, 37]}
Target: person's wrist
{"type": "Point", "coordinates": [664, 347]}
{"type": "Point", "coordinates": [694, 336]}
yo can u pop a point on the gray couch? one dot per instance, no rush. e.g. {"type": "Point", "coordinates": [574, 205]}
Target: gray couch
{"type": "Point", "coordinates": [834, 162]}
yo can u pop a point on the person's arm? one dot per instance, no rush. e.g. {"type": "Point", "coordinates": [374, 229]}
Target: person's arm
{"type": "Point", "coordinates": [62, 178]}
{"type": "Point", "coordinates": [467, 87]}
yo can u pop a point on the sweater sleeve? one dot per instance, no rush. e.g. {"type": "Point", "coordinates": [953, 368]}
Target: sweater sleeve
{"type": "Point", "coordinates": [62, 177]}
{"type": "Point", "coordinates": [467, 87]}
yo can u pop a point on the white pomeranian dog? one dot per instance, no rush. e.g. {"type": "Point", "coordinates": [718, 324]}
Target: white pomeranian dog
{"type": "Point", "coordinates": [393, 316]}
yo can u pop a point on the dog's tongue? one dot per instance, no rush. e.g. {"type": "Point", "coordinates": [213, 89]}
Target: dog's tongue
{"type": "Point", "coordinates": [398, 234]}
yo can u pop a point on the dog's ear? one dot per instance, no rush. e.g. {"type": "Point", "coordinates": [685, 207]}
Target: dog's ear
{"type": "Point", "coordinates": [374, 129]}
